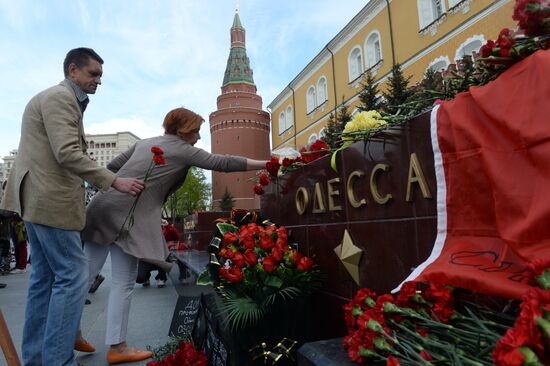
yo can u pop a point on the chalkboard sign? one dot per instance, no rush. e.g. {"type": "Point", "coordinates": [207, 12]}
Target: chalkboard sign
{"type": "Point", "coordinates": [185, 316]}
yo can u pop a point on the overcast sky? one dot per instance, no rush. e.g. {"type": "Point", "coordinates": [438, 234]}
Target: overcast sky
{"type": "Point", "coordinates": [158, 54]}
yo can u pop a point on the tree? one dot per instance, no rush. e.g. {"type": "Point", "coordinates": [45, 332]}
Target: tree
{"type": "Point", "coordinates": [398, 90]}
{"type": "Point", "coordinates": [336, 123]}
{"type": "Point", "coordinates": [369, 95]}
{"type": "Point", "coordinates": [226, 202]}
{"type": "Point", "coordinates": [193, 195]}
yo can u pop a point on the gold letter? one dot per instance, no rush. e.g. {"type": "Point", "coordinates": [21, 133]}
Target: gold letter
{"type": "Point", "coordinates": [318, 201]}
{"type": "Point", "coordinates": [374, 187]}
{"type": "Point", "coordinates": [331, 192]}
{"type": "Point", "coordinates": [302, 200]}
{"type": "Point", "coordinates": [351, 196]}
{"type": "Point", "coordinates": [417, 177]}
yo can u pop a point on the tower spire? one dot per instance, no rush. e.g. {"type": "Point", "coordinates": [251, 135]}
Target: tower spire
{"type": "Point", "coordinates": [238, 68]}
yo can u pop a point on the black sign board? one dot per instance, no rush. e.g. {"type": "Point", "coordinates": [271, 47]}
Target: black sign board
{"type": "Point", "coordinates": [185, 316]}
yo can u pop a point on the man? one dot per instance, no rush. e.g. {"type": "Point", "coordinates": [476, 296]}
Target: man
{"type": "Point", "coordinates": [46, 188]}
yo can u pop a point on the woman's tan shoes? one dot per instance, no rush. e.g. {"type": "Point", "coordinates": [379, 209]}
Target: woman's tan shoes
{"type": "Point", "coordinates": [128, 355]}
{"type": "Point", "coordinates": [83, 346]}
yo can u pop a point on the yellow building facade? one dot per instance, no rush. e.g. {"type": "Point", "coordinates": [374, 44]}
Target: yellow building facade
{"type": "Point", "coordinates": [418, 34]}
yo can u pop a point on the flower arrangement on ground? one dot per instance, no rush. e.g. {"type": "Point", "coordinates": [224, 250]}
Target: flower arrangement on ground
{"type": "Point", "coordinates": [423, 325]}
{"type": "Point", "coordinates": [511, 46]}
{"type": "Point", "coordinates": [255, 269]}
{"type": "Point", "coordinates": [429, 324]}
{"type": "Point", "coordinates": [279, 166]}
{"type": "Point", "coordinates": [178, 352]}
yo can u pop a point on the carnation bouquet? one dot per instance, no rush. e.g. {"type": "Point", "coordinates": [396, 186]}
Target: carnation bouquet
{"type": "Point", "coordinates": [254, 269]}
{"type": "Point", "coordinates": [178, 352]}
{"type": "Point", "coordinates": [431, 324]}
{"type": "Point", "coordinates": [276, 167]}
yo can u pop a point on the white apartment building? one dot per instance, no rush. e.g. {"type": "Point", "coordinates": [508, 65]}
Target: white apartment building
{"type": "Point", "coordinates": [8, 164]}
{"type": "Point", "coordinates": [103, 148]}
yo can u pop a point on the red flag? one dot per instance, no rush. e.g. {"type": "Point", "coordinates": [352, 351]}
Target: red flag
{"type": "Point", "coordinates": [492, 160]}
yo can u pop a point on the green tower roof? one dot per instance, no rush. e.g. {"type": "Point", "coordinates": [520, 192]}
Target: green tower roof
{"type": "Point", "coordinates": [237, 21]}
{"type": "Point", "coordinates": [238, 68]}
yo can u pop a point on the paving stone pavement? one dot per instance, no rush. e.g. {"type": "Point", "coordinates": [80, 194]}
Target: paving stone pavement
{"type": "Point", "coordinates": [150, 314]}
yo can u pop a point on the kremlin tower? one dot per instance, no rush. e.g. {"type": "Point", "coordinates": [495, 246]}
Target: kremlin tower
{"type": "Point", "coordinates": [239, 126]}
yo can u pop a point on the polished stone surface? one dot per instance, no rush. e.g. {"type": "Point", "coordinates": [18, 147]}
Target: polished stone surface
{"type": "Point", "coordinates": [395, 236]}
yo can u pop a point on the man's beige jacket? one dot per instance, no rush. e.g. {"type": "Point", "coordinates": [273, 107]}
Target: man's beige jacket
{"type": "Point", "coordinates": [46, 183]}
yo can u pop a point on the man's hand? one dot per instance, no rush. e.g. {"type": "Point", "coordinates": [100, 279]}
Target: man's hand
{"type": "Point", "coordinates": [128, 185]}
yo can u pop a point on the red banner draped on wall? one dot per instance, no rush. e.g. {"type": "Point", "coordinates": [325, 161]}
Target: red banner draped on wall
{"type": "Point", "coordinates": [492, 161]}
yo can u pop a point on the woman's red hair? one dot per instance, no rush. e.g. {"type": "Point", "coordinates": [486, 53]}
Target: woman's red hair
{"type": "Point", "coordinates": [181, 121]}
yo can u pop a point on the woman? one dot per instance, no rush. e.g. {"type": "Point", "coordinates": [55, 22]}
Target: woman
{"type": "Point", "coordinates": [107, 213]}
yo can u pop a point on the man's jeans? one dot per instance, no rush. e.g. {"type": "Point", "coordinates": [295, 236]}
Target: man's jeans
{"type": "Point", "coordinates": [57, 290]}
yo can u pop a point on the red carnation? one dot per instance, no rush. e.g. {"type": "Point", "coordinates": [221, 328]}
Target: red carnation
{"type": "Point", "coordinates": [266, 242]}
{"type": "Point", "coordinates": [157, 150]}
{"type": "Point", "coordinates": [229, 238]}
{"type": "Point", "coordinates": [296, 256]}
{"type": "Point", "coordinates": [392, 361]}
{"type": "Point", "coordinates": [233, 274]}
{"type": "Point", "coordinates": [159, 160]}
{"type": "Point", "coordinates": [268, 264]}
{"type": "Point", "coordinates": [487, 49]}
{"type": "Point", "coordinates": [264, 179]}
{"type": "Point", "coordinates": [273, 166]}
{"type": "Point", "coordinates": [248, 241]}
{"type": "Point", "coordinates": [250, 258]}
{"type": "Point", "coordinates": [287, 162]}
{"type": "Point", "coordinates": [304, 264]}
{"type": "Point", "coordinates": [258, 189]}
{"type": "Point", "coordinates": [238, 259]}
{"type": "Point", "coordinates": [277, 254]}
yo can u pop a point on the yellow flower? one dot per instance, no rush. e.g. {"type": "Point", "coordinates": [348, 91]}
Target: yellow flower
{"type": "Point", "coordinates": [364, 121]}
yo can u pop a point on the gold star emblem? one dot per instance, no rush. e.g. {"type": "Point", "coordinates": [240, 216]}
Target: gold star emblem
{"type": "Point", "coordinates": [349, 255]}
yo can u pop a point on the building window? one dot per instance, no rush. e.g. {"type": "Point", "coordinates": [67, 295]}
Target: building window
{"type": "Point", "coordinates": [428, 11]}
{"type": "Point", "coordinates": [439, 64]}
{"type": "Point", "coordinates": [471, 45]}
{"type": "Point", "coordinates": [373, 50]}
{"type": "Point", "coordinates": [454, 2]}
{"type": "Point", "coordinates": [355, 63]}
{"type": "Point", "coordinates": [113, 144]}
{"type": "Point", "coordinates": [321, 90]}
{"type": "Point", "coordinates": [310, 99]}
{"type": "Point", "coordinates": [282, 123]}
{"type": "Point", "coordinates": [289, 117]}
{"type": "Point", "coordinates": [312, 138]}
{"type": "Point", "coordinates": [322, 132]}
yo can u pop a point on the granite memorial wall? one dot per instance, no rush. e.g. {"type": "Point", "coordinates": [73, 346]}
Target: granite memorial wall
{"type": "Point", "coordinates": [368, 224]}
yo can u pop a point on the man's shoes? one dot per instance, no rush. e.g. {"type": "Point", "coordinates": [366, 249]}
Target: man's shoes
{"type": "Point", "coordinates": [83, 346]}
{"type": "Point", "coordinates": [17, 271]}
{"type": "Point", "coordinates": [98, 280]}
{"type": "Point", "coordinates": [128, 355]}
{"type": "Point", "coordinates": [161, 283]}
{"type": "Point", "coordinates": [2, 285]}
{"type": "Point", "coordinates": [146, 283]}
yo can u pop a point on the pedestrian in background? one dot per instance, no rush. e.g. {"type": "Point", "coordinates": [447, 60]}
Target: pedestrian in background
{"type": "Point", "coordinates": [5, 234]}
{"type": "Point", "coordinates": [145, 268]}
{"type": "Point", "coordinates": [46, 188]}
{"type": "Point", "coordinates": [20, 245]}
